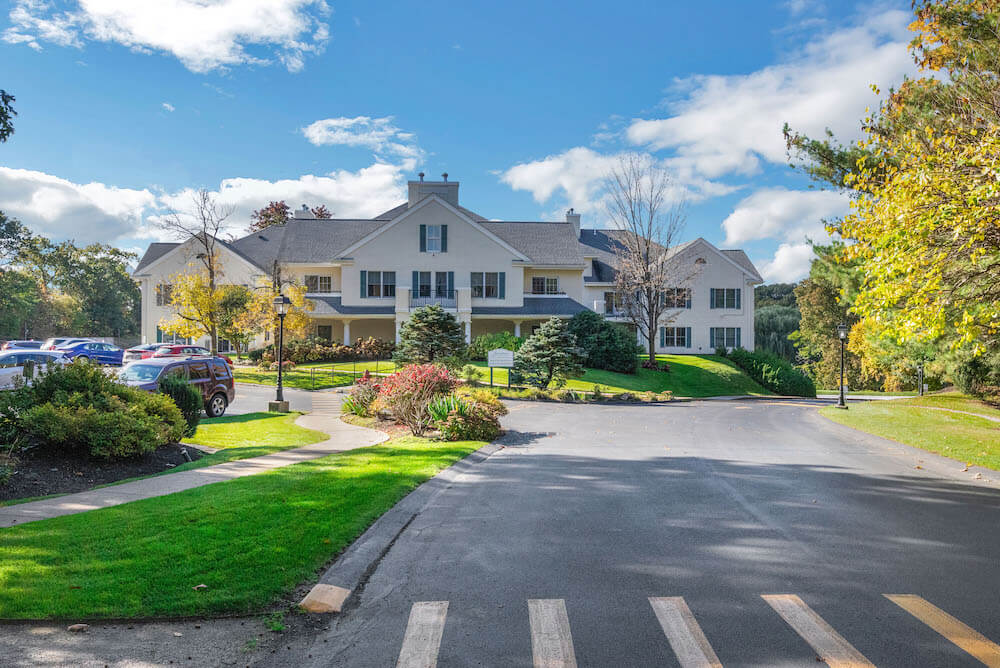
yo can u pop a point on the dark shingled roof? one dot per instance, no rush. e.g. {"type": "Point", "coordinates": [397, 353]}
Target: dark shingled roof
{"type": "Point", "coordinates": [154, 253]}
{"type": "Point", "coordinates": [333, 306]}
{"type": "Point", "coordinates": [543, 243]}
{"type": "Point", "coordinates": [541, 306]}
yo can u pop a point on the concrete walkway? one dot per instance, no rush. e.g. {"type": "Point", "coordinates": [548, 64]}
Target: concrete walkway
{"type": "Point", "coordinates": [324, 417]}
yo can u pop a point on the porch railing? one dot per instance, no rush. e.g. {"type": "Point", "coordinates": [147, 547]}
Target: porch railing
{"type": "Point", "coordinates": [445, 298]}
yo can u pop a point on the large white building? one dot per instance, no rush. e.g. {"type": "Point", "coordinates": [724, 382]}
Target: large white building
{"type": "Point", "coordinates": [365, 276]}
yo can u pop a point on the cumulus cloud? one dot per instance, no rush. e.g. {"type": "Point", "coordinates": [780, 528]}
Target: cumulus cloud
{"type": "Point", "coordinates": [578, 175]}
{"type": "Point", "coordinates": [722, 124]}
{"type": "Point", "coordinates": [779, 213]}
{"type": "Point", "coordinates": [61, 209]}
{"type": "Point", "coordinates": [96, 212]}
{"type": "Point", "coordinates": [378, 134]}
{"type": "Point", "coordinates": [789, 264]}
{"type": "Point", "coordinates": [204, 36]}
{"type": "Point", "coordinates": [168, 107]}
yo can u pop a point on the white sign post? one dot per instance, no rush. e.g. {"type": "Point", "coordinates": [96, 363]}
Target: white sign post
{"type": "Point", "coordinates": [501, 358]}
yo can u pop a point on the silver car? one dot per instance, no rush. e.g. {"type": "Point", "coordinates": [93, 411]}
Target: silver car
{"type": "Point", "coordinates": [14, 362]}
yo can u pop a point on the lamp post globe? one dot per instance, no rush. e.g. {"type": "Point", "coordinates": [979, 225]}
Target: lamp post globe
{"type": "Point", "coordinates": [842, 331]}
{"type": "Point", "coordinates": [282, 304]}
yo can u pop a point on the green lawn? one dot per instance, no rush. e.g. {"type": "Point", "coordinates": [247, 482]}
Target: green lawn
{"type": "Point", "coordinates": [967, 438]}
{"type": "Point", "coordinates": [237, 437]}
{"type": "Point", "coordinates": [878, 393]}
{"type": "Point", "coordinates": [250, 540]}
{"type": "Point", "coordinates": [312, 376]}
{"type": "Point", "coordinates": [689, 376]}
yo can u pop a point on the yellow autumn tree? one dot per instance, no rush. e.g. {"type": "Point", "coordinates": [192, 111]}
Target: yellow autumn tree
{"type": "Point", "coordinates": [259, 315]}
{"type": "Point", "coordinates": [198, 303]}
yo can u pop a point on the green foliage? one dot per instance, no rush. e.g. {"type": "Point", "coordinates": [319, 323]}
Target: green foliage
{"type": "Point", "coordinates": [484, 343]}
{"type": "Point", "coordinates": [550, 354]}
{"type": "Point", "coordinates": [605, 344]}
{"type": "Point", "coordinates": [775, 294]}
{"type": "Point", "coordinates": [362, 395]}
{"type": "Point", "coordinates": [315, 349]}
{"type": "Point", "coordinates": [19, 299]}
{"type": "Point", "coordinates": [440, 407]}
{"type": "Point", "coordinates": [7, 115]}
{"type": "Point", "coordinates": [470, 374]}
{"type": "Point", "coordinates": [187, 398]}
{"type": "Point", "coordinates": [774, 373]}
{"type": "Point", "coordinates": [476, 417]}
{"type": "Point", "coordinates": [78, 407]}
{"type": "Point", "coordinates": [429, 334]}
{"type": "Point", "coordinates": [407, 394]}
{"type": "Point", "coordinates": [772, 327]}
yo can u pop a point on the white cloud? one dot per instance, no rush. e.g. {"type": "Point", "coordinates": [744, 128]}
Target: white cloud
{"type": "Point", "coordinates": [377, 134]}
{"type": "Point", "coordinates": [578, 175]}
{"type": "Point", "coordinates": [62, 209]}
{"type": "Point", "coordinates": [727, 123]}
{"type": "Point", "coordinates": [778, 213]}
{"type": "Point", "coordinates": [203, 35]}
{"type": "Point", "coordinates": [168, 107]}
{"type": "Point", "coordinates": [789, 264]}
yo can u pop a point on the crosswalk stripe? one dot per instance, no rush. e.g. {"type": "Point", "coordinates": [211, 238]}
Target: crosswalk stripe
{"type": "Point", "coordinates": [958, 633]}
{"type": "Point", "coordinates": [686, 637]}
{"type": "Point", "coordinates": [551, 640]}
{"type": "Point", "coordinates": [829, 645]}
{"type": "Point", "coordinates": [423, 635]}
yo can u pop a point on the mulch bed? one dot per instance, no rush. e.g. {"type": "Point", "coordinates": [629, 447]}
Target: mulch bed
{"type": "Point", "coordinates": [41, 474]}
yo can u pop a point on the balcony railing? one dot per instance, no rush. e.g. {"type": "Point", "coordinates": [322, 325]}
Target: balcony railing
{"type": "Point", "coordinates": [444, 298]}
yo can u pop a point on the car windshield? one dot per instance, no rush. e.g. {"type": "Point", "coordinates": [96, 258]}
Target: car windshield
{"type": "Point", "coordinates": [142, 373]}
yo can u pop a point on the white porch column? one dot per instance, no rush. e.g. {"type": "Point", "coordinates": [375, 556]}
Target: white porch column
{"type": "Point", "coordinates": [347, 332]}
{"type": "Point", "coordinates": [517, 328]}
{"type": "Point", "coordinates": [399, 323]}
{"type": "Point", "coordinates": [468, 331]}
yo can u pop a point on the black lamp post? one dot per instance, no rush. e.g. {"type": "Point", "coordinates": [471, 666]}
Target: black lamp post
{"type": "Point", "coordinates": [842, 333]}
{"type": "Point", "coordinates": [281, 306]}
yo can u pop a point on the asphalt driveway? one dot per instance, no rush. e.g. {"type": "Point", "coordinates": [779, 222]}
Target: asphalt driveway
{"type": "Point", "coordinates": [550, 551]}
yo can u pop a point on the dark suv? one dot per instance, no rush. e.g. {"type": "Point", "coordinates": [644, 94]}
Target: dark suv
{"type": "Point", "coordinates": [211, 375]}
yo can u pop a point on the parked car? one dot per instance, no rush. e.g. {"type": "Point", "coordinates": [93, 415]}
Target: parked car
{"type": "Point", "coordinates": [59, 341]}
{"type": "Point", "coordinates": [212, 376]}
{"type": "Point", "coordinates": [95, 351]}
{"type": "Point", "coordinates": [141, 352]}
{"type": "Point", "coordinates": [184, 350]}
{"type": "Point", "coordinates": [22, 345]}
{"type": "Point", "coordinates": [13, 362]}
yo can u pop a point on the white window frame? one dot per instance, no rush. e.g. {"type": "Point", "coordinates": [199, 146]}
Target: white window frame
{"type": "Point", "coordinates": [675, 337]}
{"type": "Point", "coordinates": [550, 285]}
{"type": "Point", "coordinates": [433, 239]}
{"type": "Point", "coordinates": [318, 284]}
{"type": "Point", "coordinates": [383, 287]}
{"type": "Point", "coordinates": [727, 340]}
{"type": "Point", "coordinates": [727, 303]}
{"type": "Point", "coordinates": [484, 284]}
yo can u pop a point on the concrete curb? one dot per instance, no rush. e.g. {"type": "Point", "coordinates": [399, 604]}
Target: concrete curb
{"type": "Point", "coordinates": [350, 572]}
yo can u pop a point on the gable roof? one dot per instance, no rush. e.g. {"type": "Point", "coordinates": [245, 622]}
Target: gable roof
{"type": "Point", "coordinates": [542, 243]}
{"type": "Point", "coordinates": [153, 253]}
{"type": "Point", "coordinates": [740, 258]}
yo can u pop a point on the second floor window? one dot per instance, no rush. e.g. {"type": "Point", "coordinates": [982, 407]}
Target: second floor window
{"type": "Point", "coordinates": [433, 238]}
{"type": "Point", "coordinates": [381, 284]}
{"type": "Point", "coordinates": [724, 298]}
{"type": "Point", "coordinates": [319, 283]}
{"type": "Point", "coordinates": [164, 294]}
{"type": "Point", "coordinates": [543, 285]}
{"type": "Point", "coordinates": [612, 304]}
{"type": "Point", "coordinates": [677, 297]}
{"type": "Point", "coordinates": [487, 284]}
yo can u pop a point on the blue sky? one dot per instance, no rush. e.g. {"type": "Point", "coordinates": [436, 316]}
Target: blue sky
{"type": "Point", "coordinates": [125, 107]}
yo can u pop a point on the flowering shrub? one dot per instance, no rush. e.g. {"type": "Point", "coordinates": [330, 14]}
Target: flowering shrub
{"type": "Point", "coordinates": [477, 423]}
{"type": "Point", "coordinates": [360, 399]}
{"type": "Point", "coordinates": [320, 350]}
{"type": "Point", "coordinates": [285, 365]}
{"type": "Point", "coordinates": [407, 393]}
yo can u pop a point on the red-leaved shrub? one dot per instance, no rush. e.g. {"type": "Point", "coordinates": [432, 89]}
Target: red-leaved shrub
{"type": "Point", "coordinates": [407, 393]}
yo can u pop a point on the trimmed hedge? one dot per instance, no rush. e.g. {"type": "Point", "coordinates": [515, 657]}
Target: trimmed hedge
{"type": "Point", "coordinates": [188, 399]}
{"type": "Point", "coordinates": [314, 349]}
{"type": "Point", "coordinates": [773, 373]}
{"type": "Point", "coordinates": [607, 345]}
{"type": "Point", "coordinates": [484, 343]}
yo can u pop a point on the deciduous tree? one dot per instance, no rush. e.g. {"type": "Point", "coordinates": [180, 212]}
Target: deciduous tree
{"type": "Point", "coordinates": [275, 213]}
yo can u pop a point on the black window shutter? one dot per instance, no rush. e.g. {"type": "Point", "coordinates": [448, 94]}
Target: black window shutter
{"type": "Point", "coordinates": [444, 238]}
{"type": "Point", "coordinates": [423, 238]}
{"type": "Point", "coordinates": [415, 287]}
{"type": "Point", "coordinates": [364, 284]}
{"type": "Point", "coordinates": [711, 298]}
{"type": "Point", "coordinates": [502, 281]}
{"type": "Point", "coordinates": [687, 336]}
{"type": "Point", "coordinates": [663, 337]}
{"type": "Point", "coordinates": [451, 283]}
{"type": "Point", "coordinates": [739, 293]}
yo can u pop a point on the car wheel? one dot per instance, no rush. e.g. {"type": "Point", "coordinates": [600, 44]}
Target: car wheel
{"type": "Point", "coordinates": [83, 357]}
{"type": "Point", "coordinates": [216, 406]}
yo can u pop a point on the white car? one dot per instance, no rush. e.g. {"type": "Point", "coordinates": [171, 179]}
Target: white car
{"type": "Point", "coordinates": [12, 363]}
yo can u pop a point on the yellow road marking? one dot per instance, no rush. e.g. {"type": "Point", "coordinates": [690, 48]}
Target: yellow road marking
{"type": "Point", "coordinates": [686, 637]}
{"type": "Point", "coordinates": [828, 644]}
{"type": "Point", "coordinates": [551, 640]}
{"type": "Point", "coordinates": [422, 640]}
{"type": "Point", "coordinates": [955, 631]}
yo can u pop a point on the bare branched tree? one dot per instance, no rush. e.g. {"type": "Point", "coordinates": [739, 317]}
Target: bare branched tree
{"type": "Point", "coordinates": [204, 226]}
{"type": "Point", "coordinates": [652, 279]}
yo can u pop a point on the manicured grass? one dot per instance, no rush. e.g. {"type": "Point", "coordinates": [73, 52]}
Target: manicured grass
{"type": "Point", "coordinates": [874, 393]}
{"type": "Point", "coordinates": [312, 376]}
{"type": "Point", "coordinates": [966, 438]}
{"type": "Point", "coordinates": [250, 540]}
{"type": "Point", "coordinates": [689, 376]}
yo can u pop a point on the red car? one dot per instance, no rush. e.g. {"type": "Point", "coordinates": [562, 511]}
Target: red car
{"type": "Point", "coordinates": [145, 351]}
{"type": "Point", "coordinates": [185, 350]}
